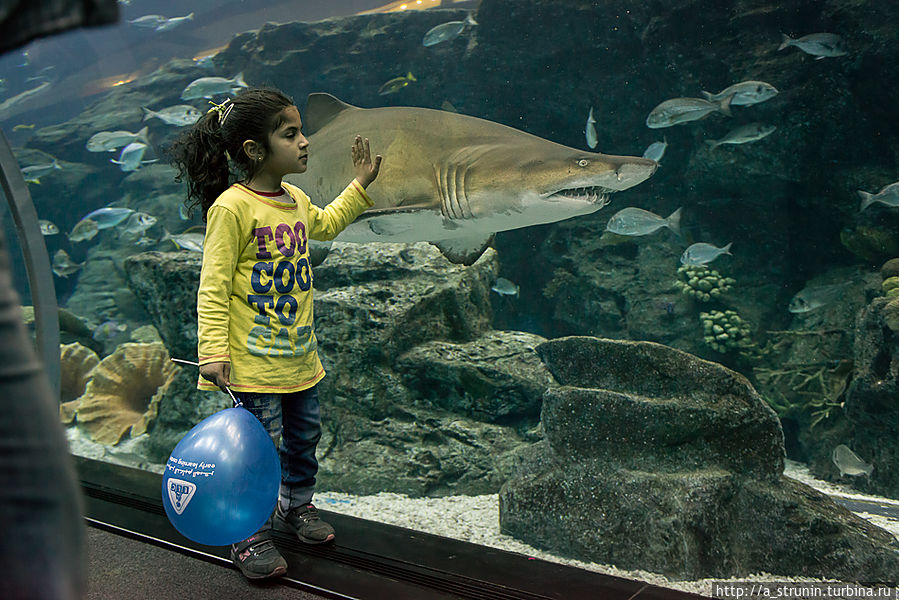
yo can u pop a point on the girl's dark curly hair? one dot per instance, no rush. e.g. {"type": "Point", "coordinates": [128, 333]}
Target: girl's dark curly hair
{"type": "Point", "coordinates": [205, 153]}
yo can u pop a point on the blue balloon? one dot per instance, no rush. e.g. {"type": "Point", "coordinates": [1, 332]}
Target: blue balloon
{"type": "Point", "coordinates": [221, 481]}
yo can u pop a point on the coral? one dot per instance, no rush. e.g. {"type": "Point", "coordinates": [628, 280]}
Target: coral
{"type": "Point", "coordinates": [76, 365]}
{"type": "Point", "coordinates": [702, 283]}
{"type": "Point", "coordinates": [891, 314]}
{"type": "Point", "coordinates": [725, 332]}
{"type": "Point", "coordinates": [890, 268]}
{"type": "Point", "coordinates": [891, 286]}
{"type": "Point", "coordinates": [811, 392]}
{"type": "Point", "coordinates": [125, 390]}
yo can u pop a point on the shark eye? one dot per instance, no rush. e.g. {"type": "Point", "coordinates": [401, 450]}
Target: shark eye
{"type": "Point", "coordinates": [583, 162]}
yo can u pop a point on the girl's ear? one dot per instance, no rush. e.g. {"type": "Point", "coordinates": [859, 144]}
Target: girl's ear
{"type": "Point", "coordinates": [254, 150]}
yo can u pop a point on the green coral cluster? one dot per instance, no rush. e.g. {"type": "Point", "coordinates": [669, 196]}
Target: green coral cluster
{"type": "Point", "coordinates": [725, 332]}
{"type": "Point", "coordinates": [891, 287]}
{"type": "Point", "coordinates": [702, 283]}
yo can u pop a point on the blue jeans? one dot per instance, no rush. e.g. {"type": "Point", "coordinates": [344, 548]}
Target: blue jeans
{"type": "Point", "coordinates": [294, 423]}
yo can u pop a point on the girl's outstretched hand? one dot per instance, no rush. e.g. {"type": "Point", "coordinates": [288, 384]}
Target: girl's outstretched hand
{"type": "Point", "coordinates": [366, 168]}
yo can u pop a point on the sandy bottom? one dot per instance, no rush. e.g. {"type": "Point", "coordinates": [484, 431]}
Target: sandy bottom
{"type": "Point", "coordinates": [475, 519]}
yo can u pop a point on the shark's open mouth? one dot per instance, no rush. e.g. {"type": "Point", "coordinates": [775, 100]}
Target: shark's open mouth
{"type": "Point", "coordinates": [594, 195]}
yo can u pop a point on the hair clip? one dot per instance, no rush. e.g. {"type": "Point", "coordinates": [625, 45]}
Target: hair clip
{"type": "Point", "coordinates": [223, 109]}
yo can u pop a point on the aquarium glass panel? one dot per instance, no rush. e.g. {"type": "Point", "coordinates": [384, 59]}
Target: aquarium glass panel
{"type": "Point", "coordinates": [606, 283]}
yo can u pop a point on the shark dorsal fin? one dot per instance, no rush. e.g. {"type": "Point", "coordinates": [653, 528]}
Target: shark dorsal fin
{"type": "Point", "coordinates": [321, 108]}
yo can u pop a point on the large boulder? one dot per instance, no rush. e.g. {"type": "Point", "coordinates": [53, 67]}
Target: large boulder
{"type": "Point", "coordinates": [655, 459]}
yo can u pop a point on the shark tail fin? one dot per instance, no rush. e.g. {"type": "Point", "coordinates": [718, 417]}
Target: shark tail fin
{"type": "Point", "coordinates": [238, 80]}
{"type": "Point", "coordinates": [866, 200]}
{"type": "Point", "coordinates": [464, 250]}
{"type": "Point", "coordinates": [143, 133]}
{"type": "Point", "coordinates": [148, 114]}
{"type": "Point", "coordinates": [708, 95]}
{"type": "Point", "coordinates": [785, 41]}
{"type": "Point", "coordinates": [726, 249]}
{"type": "Point", "coordinates": [673, 222]}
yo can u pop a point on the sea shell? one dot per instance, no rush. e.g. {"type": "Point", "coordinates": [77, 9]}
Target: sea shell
{"type": "Point", "coordinates": [123, 394]}
{"type": "Point", "coordinates": [76, 364]}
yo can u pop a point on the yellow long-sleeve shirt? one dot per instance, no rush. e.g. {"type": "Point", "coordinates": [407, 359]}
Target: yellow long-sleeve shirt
{"type": "Point", "coordinates": [255, 298]}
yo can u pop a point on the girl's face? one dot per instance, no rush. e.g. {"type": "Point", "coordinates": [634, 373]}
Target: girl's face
{"type": "Point", "coordinates": [289, 148]}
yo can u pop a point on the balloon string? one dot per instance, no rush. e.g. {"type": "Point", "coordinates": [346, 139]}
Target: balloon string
{"type": "Point", "coordinates": [227, 389]}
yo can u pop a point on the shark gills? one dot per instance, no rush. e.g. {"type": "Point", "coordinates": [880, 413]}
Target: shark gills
{"type": "Point", "coordinates": [454, 180]}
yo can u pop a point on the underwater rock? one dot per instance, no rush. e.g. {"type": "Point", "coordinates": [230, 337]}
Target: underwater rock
{"type": "Point", "coordinates": [872, 401]}
{"type": "Point", "coordinates": [890, 269]}
{"type": "Point", "coordinates": [166, 284]}
{"type": "Point", "coordinates": [497, 378]}
{"type": "Point", "coordinates": [124, 392]}
{"type": "Point", "coordinates": [375, 301]}
{"type": "Point", "coordinates": [377, 306]}
{"type": "Point", "coordinates": [657, 460]}
{"type": "Point", "coordinates": [633, 402]}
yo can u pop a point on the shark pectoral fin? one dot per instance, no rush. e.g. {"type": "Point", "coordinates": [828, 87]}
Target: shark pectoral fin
{"type": "Point", "coordinates": [318, 251]}
{"type": "Point", "coordinates": [464, 250]}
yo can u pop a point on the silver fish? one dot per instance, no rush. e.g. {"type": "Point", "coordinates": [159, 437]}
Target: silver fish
{"type": "Point", "coordinates": [172, 22]}
{"type": "Point", "coordinates": [590, 130]}
{"type": "Point", "coordinates": [148, 21]}
{"type": "Point", "coordinates": [108, 216]}
{"type": "Point", "coordinates": [209, 87]}
{"type": "Point", "coordinates": [632, 221]}
{"type": "Point", "coordinates": [751, 132]}
{"type": "Point", "coordinates": [131, 158]}
{"type": "Point", "coordinates": [110, 141]}
{"type": "Point", "coordinates": [656, 150]}
{"type": "Point", "coordinates": [138, 223]}
{"type": "Point", "coordinates": [889, 195]}
{"type": "Point", "coordinates": [34, 173]}
{"type": "Point", "coordinates": [701, 253]}
{"type": "Point", "coordinates": [810, 298]}
{"type": "Point", "coordinates": [187, 241]}
{"type": "Point", "coordinates": [446, 31]}
{"type": "Point", "coordinates": [819, 45]}
{"type": "Point", "coordinates": [63, 265]}
{"type": "Point", "coordinates": [849, 463]}
{"type": "Point", "coordinates": [10, 106]}
{"type": "Point", "coordinates": [504, 287]}
{"type": "Point", "coordinates": [84, 230]}
{"type": "Point", "coordinates": [683, 110]}
{"type": "Point", "coordinates": [48, 227]}
{"type": "Point", "coordinates": [744, 93]}
{"type": "Point", "coordinates": [180, 115]}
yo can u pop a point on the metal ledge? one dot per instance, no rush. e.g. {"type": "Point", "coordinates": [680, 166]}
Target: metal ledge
{"type": "Point", "coordinates": [370, 559]}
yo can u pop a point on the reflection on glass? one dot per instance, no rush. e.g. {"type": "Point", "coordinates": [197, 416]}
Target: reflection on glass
{"type": "Point", "coordinates": [733, 306]}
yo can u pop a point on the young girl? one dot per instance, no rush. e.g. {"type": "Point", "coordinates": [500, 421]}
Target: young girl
{"type": "Point", "coordinates": [256, 334]}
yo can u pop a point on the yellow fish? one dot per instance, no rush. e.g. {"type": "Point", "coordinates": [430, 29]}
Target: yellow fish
{"type": "Point", "coordinates": [396, 84]}
{"type": "Point", "coordinates": [21, 127]}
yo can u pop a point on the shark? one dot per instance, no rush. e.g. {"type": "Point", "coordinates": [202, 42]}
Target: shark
{"type": "Point", "coordinates": [454, 180]}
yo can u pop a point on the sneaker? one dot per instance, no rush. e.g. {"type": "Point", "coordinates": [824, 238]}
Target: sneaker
{"type": "Point", "coordinates": [257, 557]}
{"type": "Point", "coordinates": [305, 522]}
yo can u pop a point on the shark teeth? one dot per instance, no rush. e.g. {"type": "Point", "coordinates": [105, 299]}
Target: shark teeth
{"type": "Point", "coordinates": [593, 194]}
